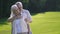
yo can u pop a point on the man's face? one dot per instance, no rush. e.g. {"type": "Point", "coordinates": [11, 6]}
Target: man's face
{"type": "Point", "coordinates": [19, 6]}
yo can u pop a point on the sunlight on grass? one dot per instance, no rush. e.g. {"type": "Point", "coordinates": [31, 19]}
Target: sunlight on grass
{"type": "Point", "coordinates": [43, 23]}
{"type": "Point", "coordinates": [48, 23]}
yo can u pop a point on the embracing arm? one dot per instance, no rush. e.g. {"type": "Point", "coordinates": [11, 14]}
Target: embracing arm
{"type": "Point", "coordinates": [11, 18]}
{"type": "Point", "coordinates": [29, 18]}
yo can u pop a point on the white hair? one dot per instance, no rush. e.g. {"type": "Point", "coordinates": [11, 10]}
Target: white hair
{"type": "Point", "coordinates": [14, 7]}
{"type": "Point", "coordinates": [20, 3]}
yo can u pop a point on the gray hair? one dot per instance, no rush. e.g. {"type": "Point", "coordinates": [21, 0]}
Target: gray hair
{"type": "Point", "coordinates": [20, 3]}
{"type": "Point", "coordinates": [14, 7]}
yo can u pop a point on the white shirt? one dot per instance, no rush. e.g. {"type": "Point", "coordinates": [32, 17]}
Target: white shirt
{"type": "Point", "coordinates": [20, 24]}
{"type": "Point", "coordinates": [23, 11]}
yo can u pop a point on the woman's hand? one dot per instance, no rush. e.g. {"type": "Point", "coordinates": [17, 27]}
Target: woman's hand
{"type": "Point", "coordinates": [12, 19]}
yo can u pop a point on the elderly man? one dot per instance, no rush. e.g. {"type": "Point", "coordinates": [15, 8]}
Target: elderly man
{"type": "Point", "coordinates": [20, 6]}
{"type": "Point", "coordinates": [27, 15]}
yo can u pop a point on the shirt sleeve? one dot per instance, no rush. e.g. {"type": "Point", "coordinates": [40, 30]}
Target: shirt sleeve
{"type": "Point", "coordinates": [29, 15]}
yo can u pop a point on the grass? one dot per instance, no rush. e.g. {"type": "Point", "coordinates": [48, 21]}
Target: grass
{"type": "Point", "coordinates": [47, 23]}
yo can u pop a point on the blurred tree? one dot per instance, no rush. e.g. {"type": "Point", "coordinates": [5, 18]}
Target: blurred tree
{"type": "Point", "coordinates": [43, 5]}
{"type": "Point", "coordinates": [57, 5]}
{"type": "Point", "coordinates": [51, 5]}
{"type": "Point", "coordinates": [5, 7]}
{"type": "Point", "coordinates": [34, 6]}
{"type": "Point", "coordinates": [25, 3]}
{"type": "Point", "coordinates": [37, 5]}
{"type": "Point", "coordinates": [1, 8]}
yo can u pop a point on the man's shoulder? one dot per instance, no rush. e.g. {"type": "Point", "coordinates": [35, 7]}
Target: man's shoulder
{"type": "Point", "coordinates": [25, 10]}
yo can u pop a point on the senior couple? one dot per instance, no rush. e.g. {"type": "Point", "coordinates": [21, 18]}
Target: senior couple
{"type": "Point", "coordinates": [20, 19]}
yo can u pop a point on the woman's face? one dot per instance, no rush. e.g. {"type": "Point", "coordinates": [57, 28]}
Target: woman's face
{"type": "Point", "coordinates": [16, 11]}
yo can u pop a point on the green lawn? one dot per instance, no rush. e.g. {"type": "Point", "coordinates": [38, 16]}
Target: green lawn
{"type": "Point", "coordinates": [43, 23]}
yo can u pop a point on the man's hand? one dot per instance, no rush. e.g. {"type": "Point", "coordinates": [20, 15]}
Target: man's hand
{"type": "Point", "coordinates": [28, 21]}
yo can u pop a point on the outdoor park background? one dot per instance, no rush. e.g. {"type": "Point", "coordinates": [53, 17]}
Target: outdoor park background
{"type": "Point", "coordinates": [45, 15]}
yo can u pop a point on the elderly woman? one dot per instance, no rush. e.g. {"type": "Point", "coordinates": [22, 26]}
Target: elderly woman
{"type": "Point", "coordinates": [20, 25]}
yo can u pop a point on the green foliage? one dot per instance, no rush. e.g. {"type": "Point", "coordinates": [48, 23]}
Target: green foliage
{"type": "Point", "coordinates": [34, 6]}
